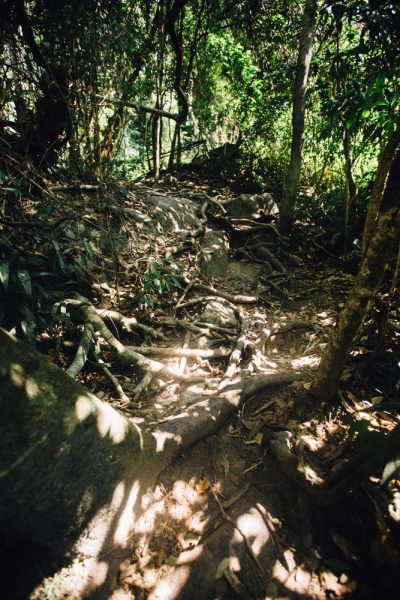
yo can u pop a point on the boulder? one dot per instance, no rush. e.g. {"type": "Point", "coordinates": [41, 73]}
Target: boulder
{"type": "Point", "coordinates": [251, 206]}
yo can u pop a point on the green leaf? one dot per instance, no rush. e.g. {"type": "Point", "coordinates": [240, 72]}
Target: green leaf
{"type": "Point", "coordinates": [6, 244]}
{"type": "Point", "coordinates": [29, 332]}
{"type": "Point", "coordinates": [19, 191]}
{"type": "Point", "coordinates": [41, 290]}
{"type": "Point", "coordinates": [338, 566]}
{"type": "Point", "coordinates": [176, 282]}
{"type": "Point", "coordinates": [50, 209]}
{"type": "Point", "coordinates": [5, 273]}
{"type": "Point", "coordinates": [59, 254]}
{"type": "Point", "coordinates": [24, 310]}
{"type": "Point", "coordinates": [88, 248]}
{"type": "Point", "coordinates": [4, 142]}
{"type": "Point", "coordinates": [25, 280]}
{"type": "Point", "coordinates": [124, 191]}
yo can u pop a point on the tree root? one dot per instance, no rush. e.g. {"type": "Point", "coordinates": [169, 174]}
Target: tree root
{"type": "Point", "coordinates": [181, 352]}
{"type": "Point", "coordinates": [236, 299]}
{"type": "Point", "coordinates": [237, 353]}
{"type": "Point", "coordinates": [262, 252]}
{"type": "Point", "coordinates": [186, 325]}
{"type": "Point", "coordinates": [337, 485]}
{"type": "Point", "coordinates": [206, 299]}
{"type": "Point", "coordinates": [81, 355]}
{"type": "Point", "coordinates": [249, 256]}
{"type": "Point", "coordinates": [276, 328]}
{"type": "Point", "coordinates": [125, 355]}
{"type": "Point", "coordinates": [121, 394]}
{"type": "Point", "coordinates": [128, 323]}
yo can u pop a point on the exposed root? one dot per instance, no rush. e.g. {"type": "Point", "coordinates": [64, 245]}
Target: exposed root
{"type": "Point", "coordinates": [236, 299]}
{"type": "Point", "coordinates": [237, 353]}
{"type": "Point", "coordinates": [128, 323]}
{"type": "Point", "coordinates": [181, 352]}
{"type": "Point", "coordinates": [206, 299]}
{"type": "Point", "coordinates": [121, 394]}
{"type": "Point", "coordinates": [276, 328]}
{"type": "Point", "coordinates": [125, 354]}
{"type": "Point", "coordinates": [81, 355]}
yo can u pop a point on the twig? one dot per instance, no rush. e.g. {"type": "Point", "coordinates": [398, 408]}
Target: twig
{"type": "Point", "coordinates": [232, 522]}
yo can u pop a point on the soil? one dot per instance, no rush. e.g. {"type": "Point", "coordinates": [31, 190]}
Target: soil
{"type": "Point", "coordinates": [223, 521]}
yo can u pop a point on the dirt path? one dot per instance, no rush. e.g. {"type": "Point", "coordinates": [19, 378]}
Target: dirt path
{"type": "Point", "coordinates": [222, 521]}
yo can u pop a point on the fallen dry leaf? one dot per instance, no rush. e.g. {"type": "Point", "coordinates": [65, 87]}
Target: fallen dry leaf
{"type": "Point", "coordinates": [234, 478]}
{"type": "Point", "coordinates": [202, 486]}
{"type": "Point", "coordinates": [225, 464]}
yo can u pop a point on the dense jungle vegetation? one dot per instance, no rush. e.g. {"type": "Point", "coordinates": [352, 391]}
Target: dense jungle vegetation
{"type": "Point", "coordinates": [116, 117]}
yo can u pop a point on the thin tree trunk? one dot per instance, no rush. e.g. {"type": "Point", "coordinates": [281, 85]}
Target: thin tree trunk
{"type": "Point", "coordinates": [157, 118]}
{"type": "Point", "coordinates": [382, 246]}
{"type": "Point", "coordinates": [351, 190]}
{"type": "Point", "coordinates": [381, 177]}
{"type": "Point", "coordinates": [299, 109]}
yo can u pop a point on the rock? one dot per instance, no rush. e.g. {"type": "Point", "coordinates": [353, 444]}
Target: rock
{"type": "Point", "coordinates": [174, 213]}
{"type": "Point", "coordinates": [251, 206]}
{"type": "Point", "coordinates": [214, 257]}
{"type": "Point", "coordinates": [219, 314]}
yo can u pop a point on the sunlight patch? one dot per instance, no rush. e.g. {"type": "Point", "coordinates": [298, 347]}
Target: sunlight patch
{"type": "Point", "coordinates": [111, 423]}
{"type": "Point", "coordinates": [17, 375]}
{"type": "Point", "coordinates": [253, 526]}
{"type": "Point", "coordinates": [83, 408]}
{"type": "Point", "coordinates": [31, 388]}
{"type": "Point", "coordinates": [128, 516]}
{"type": "Point", "coordinates": [162, 436]}
{"type": "Point", "coordinates": [306, 361]}
{"type": "Point", "coordinates": [164, 590]}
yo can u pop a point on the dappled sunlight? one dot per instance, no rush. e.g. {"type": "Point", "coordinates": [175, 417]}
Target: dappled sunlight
{"type": "Point", "coordinates": [83, 407]}
{"type": "Point", "coordinates": [31, 387]}
{"type": "Point", "coordinates": [127, 518]}
{"type": "Point", "coordinates": [97, 528]}
{"type": "Point", "coordinates": [162, 437]}
{"type": "Point", "coordinates": [109, 421]}
{"type": "Point", "coordinates": [252, 525]}
{"type": "Point", "coordinates": [306, 361]}
{"type": "Point", "coordinates": [163, 590]}
{"type": "Point", "coordinates": [17, 374]}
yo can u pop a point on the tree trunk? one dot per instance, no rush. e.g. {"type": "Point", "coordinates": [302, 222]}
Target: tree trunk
{"type": "Point", "coordinates": [381, 176]}
{"type": "Point", "coordinates": [382, 246]}
{"type": "Point", "coordinates": [351, 190]}
{"type": "Point", "coordinates": [299, 109]}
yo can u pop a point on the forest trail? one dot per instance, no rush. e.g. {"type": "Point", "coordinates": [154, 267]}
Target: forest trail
{"type": "Point", "coordinates": [223, 520]}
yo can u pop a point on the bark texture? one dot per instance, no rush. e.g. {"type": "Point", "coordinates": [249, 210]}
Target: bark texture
{"type": "Point", "coordinates": [382, 246]}
{"type": "Point", "coordinates": [299, 110]}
